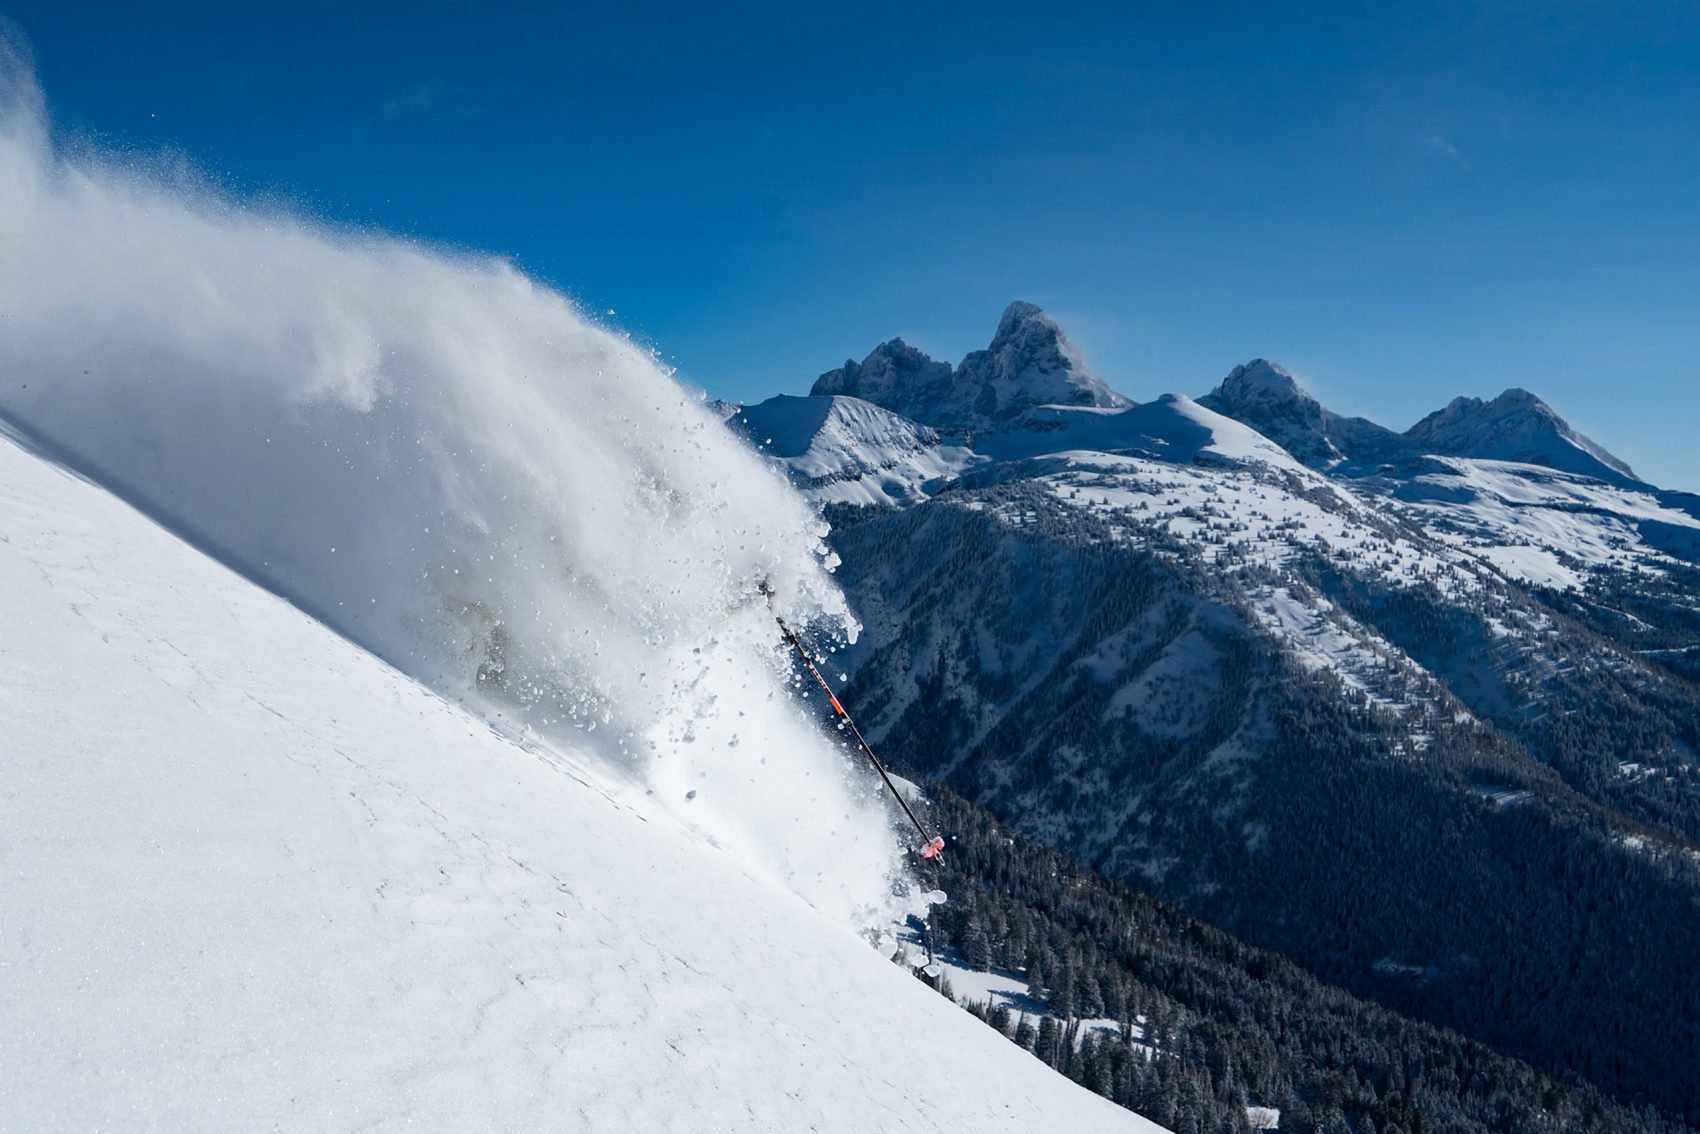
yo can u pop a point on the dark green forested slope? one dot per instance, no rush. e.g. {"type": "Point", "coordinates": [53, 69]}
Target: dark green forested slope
{"type": "Point", "coordinates": [1225, 1024]}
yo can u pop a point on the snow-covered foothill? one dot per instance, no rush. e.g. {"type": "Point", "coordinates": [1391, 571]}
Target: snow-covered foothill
{"type": "Point", "coordinates": [1543, 525]}
{"type": "Point", "coordinates": [1236, 513]}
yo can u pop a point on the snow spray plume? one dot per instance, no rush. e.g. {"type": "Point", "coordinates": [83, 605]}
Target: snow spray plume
{"type": "Point", "coordinates": [451, 466]}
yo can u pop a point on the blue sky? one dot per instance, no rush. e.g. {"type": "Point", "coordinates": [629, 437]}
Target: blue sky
{"type": "Point", "coordinates": [1399, 203]}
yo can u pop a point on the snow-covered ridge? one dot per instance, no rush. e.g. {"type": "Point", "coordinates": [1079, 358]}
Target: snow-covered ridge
{"type": "Point", "coordinates": [254, 877]}
{"type": "Point", "coordinates": [843, 449]}
{"type": "Point", "coordinates": [1173, 428]}
{"type": "Point", "coordinates": [1508, 483]}
{"type": "Point", "coordinates": [1031, 364]}
{"type": "Point", "coordinates": [1541, 525]}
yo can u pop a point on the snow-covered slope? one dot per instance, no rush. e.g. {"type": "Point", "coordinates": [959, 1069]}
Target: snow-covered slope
{"type": "Point", "coordinates": [1541, 525]}
{"type": "Point", "coordinates": [1174, 428]}
{"type": "Point", "coordinates": [253, 876]}
{"type": "Point", "coordinates": [845, 450]}
{"type": "Point", "coordinates": [1030, 362]}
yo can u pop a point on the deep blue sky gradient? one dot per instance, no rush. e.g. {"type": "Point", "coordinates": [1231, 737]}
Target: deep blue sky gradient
{"type": "Point", "coordinates": [1399, 202]}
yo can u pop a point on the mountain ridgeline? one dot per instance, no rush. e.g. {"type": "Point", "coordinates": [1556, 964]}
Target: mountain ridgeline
{"type": "Point", "coordinates": [1417, 710]}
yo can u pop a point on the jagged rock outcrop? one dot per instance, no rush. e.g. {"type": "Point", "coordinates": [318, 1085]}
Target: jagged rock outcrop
{"type": "Point", "coordinates": [1029, 363]}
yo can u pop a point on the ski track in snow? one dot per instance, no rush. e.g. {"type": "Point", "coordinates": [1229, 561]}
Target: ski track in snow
{"type": "Point", "coordinates": [253, 876]}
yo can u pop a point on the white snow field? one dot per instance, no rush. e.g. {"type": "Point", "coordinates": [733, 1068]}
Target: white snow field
{"type": "Point", "coordinates": [253, 876]}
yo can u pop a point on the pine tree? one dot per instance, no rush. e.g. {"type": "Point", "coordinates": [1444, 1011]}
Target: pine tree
{"type": "Point", "coordinates": [976, 946]}
{"type": "Point", "coordinates": [1035, 979]}
{"type": "Point", "coordinates": [1046, 1045]}
{"type": "Point", "coordinates": [1026, 1036]}
{"type": "Point", "coordinates": [1062, 996]}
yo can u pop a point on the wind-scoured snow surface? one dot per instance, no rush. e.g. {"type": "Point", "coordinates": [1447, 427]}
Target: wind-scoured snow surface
{"type": "Point", "coordinates": [449, 465]}
{"type": "Point", "coordinates": [253, 878]}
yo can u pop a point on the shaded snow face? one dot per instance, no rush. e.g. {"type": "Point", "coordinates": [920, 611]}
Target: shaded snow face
{"type": "Point", "coordinates": [448, 464]}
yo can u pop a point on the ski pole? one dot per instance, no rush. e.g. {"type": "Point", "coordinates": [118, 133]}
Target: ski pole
{"type": "Point", "coordinates": [931, 845]}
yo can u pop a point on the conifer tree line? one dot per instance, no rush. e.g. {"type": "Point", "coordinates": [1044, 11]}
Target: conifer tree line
{"type": "Point", "coordinates": [1153, 1009]}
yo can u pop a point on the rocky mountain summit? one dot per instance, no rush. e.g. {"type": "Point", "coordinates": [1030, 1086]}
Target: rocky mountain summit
{"type": "Point", "coordinates": [1029, 363]}
{"type": "Point", "coordinates": [1516, 426]}
{"type": "Point", "coordinates": [1266, 397]}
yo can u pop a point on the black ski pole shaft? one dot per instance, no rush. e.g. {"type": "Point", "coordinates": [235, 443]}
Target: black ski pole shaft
{"type": "Point", "coordinates": [832, 699]}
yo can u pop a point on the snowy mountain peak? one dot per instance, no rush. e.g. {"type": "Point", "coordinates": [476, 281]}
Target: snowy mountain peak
{"type": "Point", "coordinates": [1516, 426]}
{"type": "Point", "coordinates": [1263, 381]}
{"type": "Point", "coordinates": [1030, 362]}
{"type": "Point", "coordinates": [1020, 311]}
{"type": "Point", "coordinates": [1517, 395]}
{"type": "Point", "coordinates": [1268, 398]}
{"type": "Point", "coordinates": [894, 375]}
